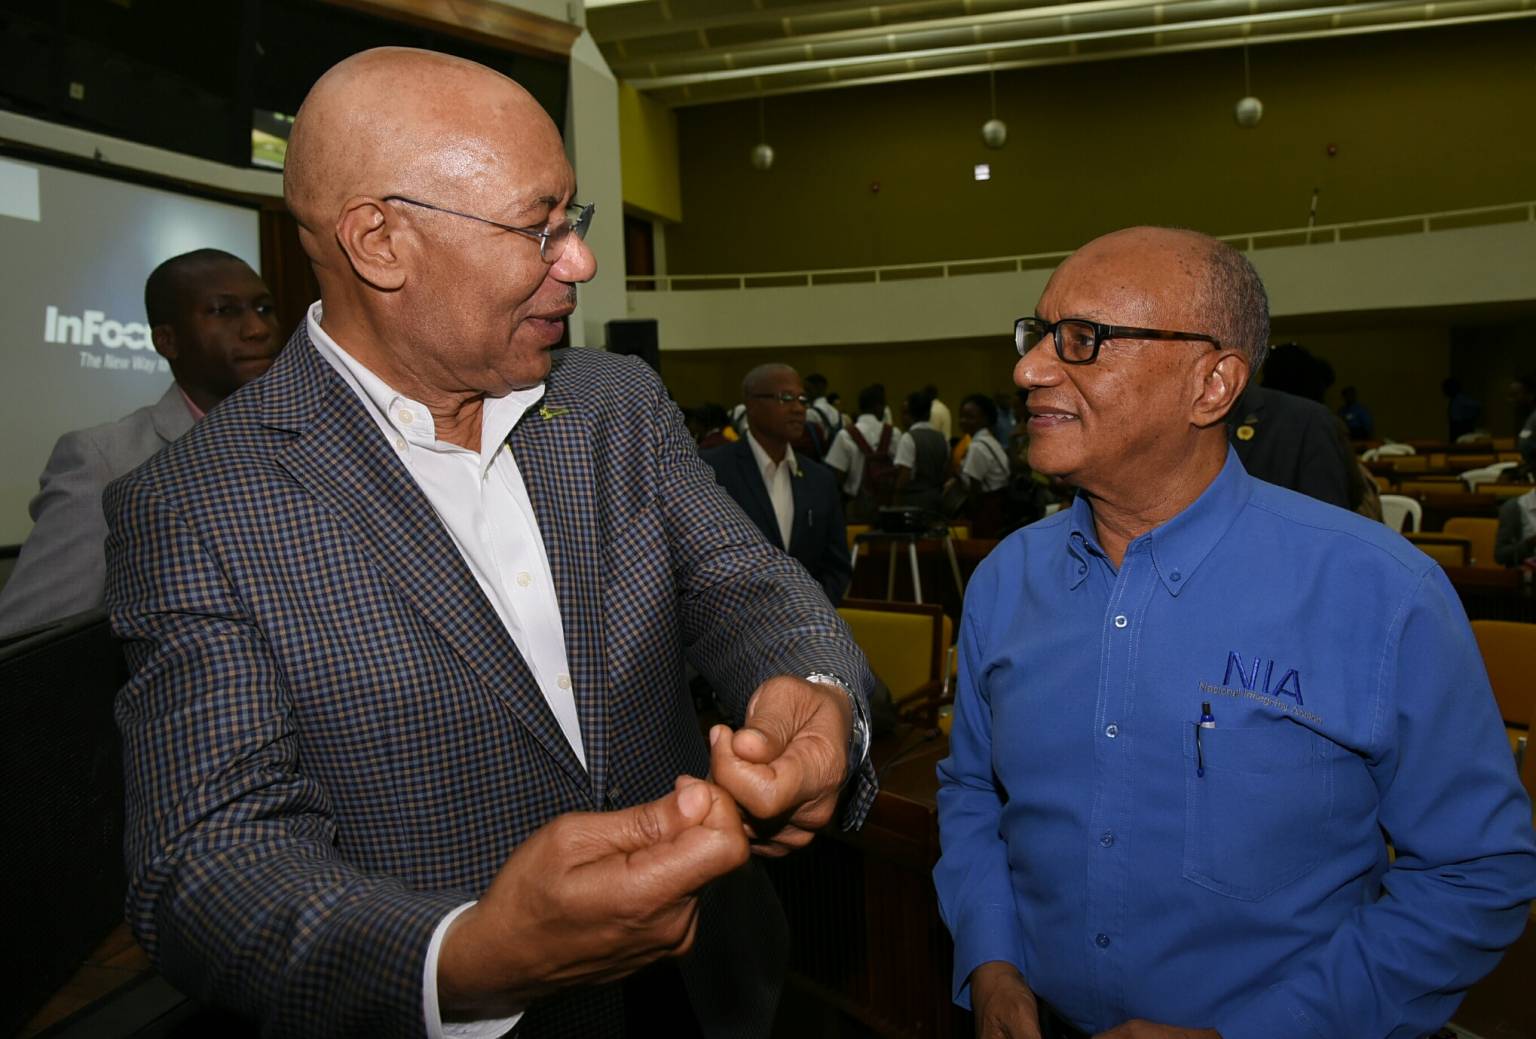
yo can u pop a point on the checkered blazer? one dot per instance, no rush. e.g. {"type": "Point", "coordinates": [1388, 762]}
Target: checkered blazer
{"type": "Point", "coordinates": [330, 739]}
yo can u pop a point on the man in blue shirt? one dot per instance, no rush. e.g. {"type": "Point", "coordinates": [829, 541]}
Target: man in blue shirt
{"type": "Point", "coordinates": [1111, 864]}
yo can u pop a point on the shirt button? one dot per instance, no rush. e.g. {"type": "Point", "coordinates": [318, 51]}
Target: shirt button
{"type": "Point", "coordinates": [1176, 576]}
{"type": "Point", "coordinates": [1101, 940]}
{"type": "Point", "coordinates": [524, 579]}
{"type": "Point", "coordinates": [399, 443]}
{"type": "Point", "coordinates": [1111, 731]}
{"type": "Point", "coordinates": [1107, 840]}
{"type": "Point", "coordinates": [407, 416]}
{"type": "Point", "coordinates": [1120, 621]}
{"type": "Point", "coordinates": [564, 681]}
{"type": "Point", "coordinates": [1082, 569]}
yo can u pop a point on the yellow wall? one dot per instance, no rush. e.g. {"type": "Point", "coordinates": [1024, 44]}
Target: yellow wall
{"type": "Point", "coordinates": [1424, 120]}
{"type": "Point", "coordinates": [1397, 370]}
{"type": "Point", "coordinates": [648, 155]}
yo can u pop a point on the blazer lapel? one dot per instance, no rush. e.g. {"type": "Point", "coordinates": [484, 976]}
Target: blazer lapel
{"type": "Point", "coordinates": [341, 457]}
{"type": "Point", "coordinates": [170, 416]}
{"type": "Point", "coordinates": [552, 445]}
{"type": "Point", "coordinates": [798, 527]}
{"type": "Point", "coordinates": [759, 506]}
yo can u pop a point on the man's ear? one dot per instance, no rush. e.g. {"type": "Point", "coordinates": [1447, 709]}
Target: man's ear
{"type": "Point", "coordinates": [370, 235]}
{"type": "Point", "coordinates": [164, 339]}
{"type": "Point", "coordinates": [1225, 375]}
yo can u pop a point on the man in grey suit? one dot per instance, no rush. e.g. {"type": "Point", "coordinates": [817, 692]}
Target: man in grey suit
{"type": "Point", "coordinates": [212, 319]}
{"type": "Point", "coordinates": [407, 743]}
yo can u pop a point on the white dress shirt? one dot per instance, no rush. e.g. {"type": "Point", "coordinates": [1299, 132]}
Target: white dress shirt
{"type": "Point", "coordinates": [906, 447]}
{"type": "Point", "coordinates": [822, 413]}
{"type": "Point", "coordinates": [776, 477]}
{"type": "Point", "coordinates": [844, 455]}
{"type": "Point", "coordinates": [482, 501]}
{"type": "Point", "coordinates": [986, 462]}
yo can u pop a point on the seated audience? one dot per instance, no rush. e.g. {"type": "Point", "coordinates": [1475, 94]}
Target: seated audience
{"type": "Point", "coordinates": [1515, 543]}
{"type": "Point", "coordinates": [793, 500]}
{"type": "Point", "coordinates": [212, 319]}
{"type": "Point", "coordinates": [922, 457]}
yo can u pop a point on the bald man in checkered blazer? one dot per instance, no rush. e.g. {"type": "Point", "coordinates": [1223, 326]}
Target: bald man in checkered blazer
{"type": "Point", "coordinates": [333, 741]}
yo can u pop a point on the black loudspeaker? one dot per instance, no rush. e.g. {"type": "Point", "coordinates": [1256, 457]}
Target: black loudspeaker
{"type": "Point", "coordinates": [637, 338]}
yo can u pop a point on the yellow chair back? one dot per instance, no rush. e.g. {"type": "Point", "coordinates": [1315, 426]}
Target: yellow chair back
{"type": "Point", "coordinates": [1509, 654]}
{"type": "Point", "coordinates": [905, 649]}
{"type": "Point", "coordinates": [1443, 552]}
{"type": "Point", "coordinates": [1481, 534]}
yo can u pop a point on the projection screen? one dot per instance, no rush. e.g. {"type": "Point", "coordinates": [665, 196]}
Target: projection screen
{"type": "Point", "coordinates": [75, 249]}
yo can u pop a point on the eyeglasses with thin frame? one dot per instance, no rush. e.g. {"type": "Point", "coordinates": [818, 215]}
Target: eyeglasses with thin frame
{"type": "Point", "coordinates": [784, 397]}
{"type": "Point", "coordinates": [1078, 339]}
{"type": "Point", "coordinates": [551, 238]}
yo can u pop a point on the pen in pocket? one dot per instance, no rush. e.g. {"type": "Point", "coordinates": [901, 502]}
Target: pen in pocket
{"type": "Point", "coordinates": [1207, 721]}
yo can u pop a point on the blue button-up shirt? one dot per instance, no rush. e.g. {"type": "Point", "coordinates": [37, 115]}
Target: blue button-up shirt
{"type": "Point", "coordinates": [1132, 864]}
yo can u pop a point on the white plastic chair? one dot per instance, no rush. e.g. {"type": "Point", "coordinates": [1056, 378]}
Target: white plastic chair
{"type": "Point", "coordinates": [1398, 509]}
{"type": "Point", "coordinates": [1387, 451]}
{"type": "Point", "coordinates": [1487, 474]}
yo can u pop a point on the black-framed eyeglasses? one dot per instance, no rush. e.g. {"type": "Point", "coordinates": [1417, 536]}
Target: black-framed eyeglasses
{"type": "Point", "coordinates": [783, 398]}
{"type": "Point", "coordinates": [1078, 339]}
{"type": "Point", "coordinates": [551, 238]}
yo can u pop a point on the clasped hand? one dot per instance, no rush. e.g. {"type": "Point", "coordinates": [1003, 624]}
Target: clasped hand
{"type": "Point", "coordinates": [593, 896]}
{"type": "Point", "coordinates": [786, 764]}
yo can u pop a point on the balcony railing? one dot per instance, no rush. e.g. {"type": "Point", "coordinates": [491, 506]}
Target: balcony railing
{"type": "Point", "coordinates": [1322, 234]}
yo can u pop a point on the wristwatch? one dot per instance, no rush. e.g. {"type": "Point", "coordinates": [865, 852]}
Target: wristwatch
{"type": "Point", "coordinates": [858, 733]}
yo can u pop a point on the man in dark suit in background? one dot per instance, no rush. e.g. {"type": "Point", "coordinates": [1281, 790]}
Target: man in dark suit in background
{"type": "Point", "coordinates": [794, 501]}
{"type": "Point", "coordinates": [406, 742]}
{"type": "Point", "coordinates": [1285, 436]}
{"type": "Point", "coordinates": [211, 317]}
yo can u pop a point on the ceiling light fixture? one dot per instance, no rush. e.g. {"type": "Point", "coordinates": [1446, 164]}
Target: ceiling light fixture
{"type": "Point", "coordinates": [994, 132]}
{"type": "Point", "coordinates": [762, 152]}
{"type": "Point", "coordinates": [1249, 109]}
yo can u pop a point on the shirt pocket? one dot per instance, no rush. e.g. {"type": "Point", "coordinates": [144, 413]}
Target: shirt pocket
{"type": "Point", "coordinates": [1257, 819]}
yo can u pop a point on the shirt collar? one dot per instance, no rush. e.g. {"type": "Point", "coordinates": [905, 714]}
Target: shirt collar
{"type": "Point", "coordinates": [1177, 547]}
{"type": "Point", "coordinates": [196, 412]}
{"type": "Point", "coordinates": [410, 418]}
{"type": "Point", "coordinates": [767, 465]}
{"type": "Point", "coordinates": [920, 424]}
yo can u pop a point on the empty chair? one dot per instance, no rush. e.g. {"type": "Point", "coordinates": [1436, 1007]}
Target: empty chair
{"type": "Point", "coordinates": [1443, 549]}
{"type": "Point", "coordinates": [1486, 474]}
{"type": "Point", "coordinates": [1509, 654]}
{"type": "Point", "coordinates": [1481, 533]}
{"type": "Point", "coordinates": [1401, 512]}
{"type": "Point", "coordinates": [906, 645]}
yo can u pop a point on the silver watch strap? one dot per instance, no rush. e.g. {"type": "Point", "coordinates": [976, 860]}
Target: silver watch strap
{"type": "Point", "coordinates": [858, 733]}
